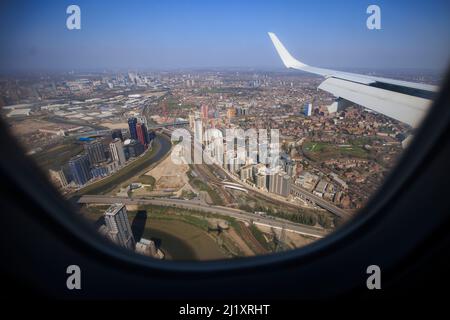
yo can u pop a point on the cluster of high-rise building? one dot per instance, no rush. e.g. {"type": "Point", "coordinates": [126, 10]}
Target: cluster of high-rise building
{"type": "Point", "coordinates": [265, 171]}
{"type": "Point", "coordinates": [138, 131]}
{"type": "Point", "coordinates": [99, 160]}
{"type": "Point", "coordinates": [94, 163]}
{"type": "Point", "coordinates": [276, 179]}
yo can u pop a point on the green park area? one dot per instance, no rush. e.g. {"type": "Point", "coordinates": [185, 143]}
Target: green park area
{"type": "Point", "coordinates": [174, 104]}
{"type": "Point", "coordinates": [320, 151]}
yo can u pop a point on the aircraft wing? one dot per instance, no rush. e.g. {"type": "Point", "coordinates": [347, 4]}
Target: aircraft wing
{"type": "Point", "coordinates": [401, 100]}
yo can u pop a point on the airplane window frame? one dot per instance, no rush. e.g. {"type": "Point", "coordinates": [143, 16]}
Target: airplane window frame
{"type": "Point", "coordinates": [32, 182]}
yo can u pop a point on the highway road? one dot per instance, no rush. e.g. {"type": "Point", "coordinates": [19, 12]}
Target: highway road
{"type": "Point", "coordinates": [276, 223]}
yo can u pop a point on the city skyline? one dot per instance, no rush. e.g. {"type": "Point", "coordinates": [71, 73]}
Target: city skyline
{"type": "Point", "coordinates": [140, 35]}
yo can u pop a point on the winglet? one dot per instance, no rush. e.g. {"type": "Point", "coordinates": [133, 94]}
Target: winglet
{"type": "Point", "coordinates": [288, 60]}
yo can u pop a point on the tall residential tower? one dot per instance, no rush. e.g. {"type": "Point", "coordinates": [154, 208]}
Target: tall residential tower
{"type": "Point", "coordinates": [80, 169]}
{"type": "Point", "coordinates": [118, 226]}
{"type": "Point", "coordinates": [117, 152]}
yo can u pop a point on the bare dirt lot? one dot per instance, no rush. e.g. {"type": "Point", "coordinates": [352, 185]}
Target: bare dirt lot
{"type": "Point", "coordinates": [27, 126]}
{"type": "Point", "coordinates": [112, 126]}
{"type": "Point", "coordinates": [169, 175]}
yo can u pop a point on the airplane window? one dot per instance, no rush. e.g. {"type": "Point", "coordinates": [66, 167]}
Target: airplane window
{"type": "Point", "coordinates": [194, 131]}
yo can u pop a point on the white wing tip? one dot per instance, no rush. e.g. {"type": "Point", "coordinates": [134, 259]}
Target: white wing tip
{"type": "Point", "coordinates": [288, 60]}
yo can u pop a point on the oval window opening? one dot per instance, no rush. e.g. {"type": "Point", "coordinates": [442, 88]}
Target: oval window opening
{"type": "Point", "coordinates": [187, 141]}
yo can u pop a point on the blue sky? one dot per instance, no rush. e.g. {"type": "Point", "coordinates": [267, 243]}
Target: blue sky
{"type": "Point", "coordinates": [198, 34]}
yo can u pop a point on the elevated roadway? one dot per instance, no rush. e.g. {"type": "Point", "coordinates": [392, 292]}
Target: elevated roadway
{"type": "Point", "coordinates": [198, 205]}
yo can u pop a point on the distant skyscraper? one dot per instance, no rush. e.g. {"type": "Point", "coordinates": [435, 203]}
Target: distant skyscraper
{"type": "Point", "coordinates": [58, 178]}
{"type": "Point", "coordinates": [95, 152]}
{"type": "Point", "coordinates": [273, 181]}
{"type": "Point", "coordinates": [338, 105]}
{"type": "Point", "coordinates": [151, 135]}
{"type": "Point", "coordinates": [280, 183]}
{"type": "Point", "coordinates": [228, 157]}
{"type": "Point", "coordinates": [132, 122]}
{"type": "Point", "coordinates": [67, 172]}
{"type": "Point", "coordinates": [192, 122]}
{"type": "Point", "coordinates": [79, 167]}
{"type": "Point", "coordinates": [198, 130]}
{"type": "Point", "coordinates": [142, 134]}
{"type": "Point", "coordinates": [285, 187]}
{"type": "Point", "coordinates": [117, 133]}
{"type": "Point", "coordinates": [119, 228]}
{"type": "Point", "coordinates": [133, 77]}
{"type": "Point", "coordinates": [117, 152]}
{"type": "Point", "coordinates": [247, 173]}
{"type": "Point", "coordinates": [142, 119]}
{"type": "Point", "coordinates": [204, 111]}
{"type": "Point", "coordinates": [241, 111]}
{"type": "Point", "coordinates": [307, 109]}
{"type": "Point", "coordinates": [291, 168]}
{"type": "Point", "coordinates": [261, 180]}
{"type": "Point", "coordinates": [232, 164]}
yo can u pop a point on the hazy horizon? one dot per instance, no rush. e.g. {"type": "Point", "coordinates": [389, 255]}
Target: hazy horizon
{"type": "Point", "coordinates": [172, 35]}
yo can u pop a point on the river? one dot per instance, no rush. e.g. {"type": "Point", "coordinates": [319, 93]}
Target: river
{"type": "Point", "coordinates": [182, 241]}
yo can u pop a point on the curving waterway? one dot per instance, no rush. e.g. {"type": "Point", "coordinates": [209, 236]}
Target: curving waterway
{"type": "Point", "coordinates": [164, 147]}
{"type": "Point", "coordinates": [182, 241]}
